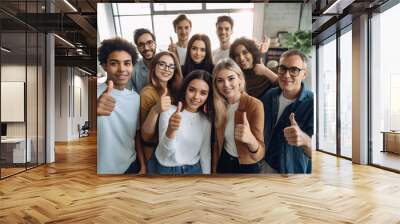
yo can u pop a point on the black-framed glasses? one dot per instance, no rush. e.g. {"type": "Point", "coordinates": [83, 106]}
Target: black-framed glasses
{"type": "Point", "coordinates": [164, 66]}
{"type": "Point", "coordinates": [293, 71]}
{"type": "Point", "coordinates": [149, 43]}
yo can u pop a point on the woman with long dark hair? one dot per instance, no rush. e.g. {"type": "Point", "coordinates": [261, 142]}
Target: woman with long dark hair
{"type": "Point", "coordinates": [198, 55]}
{"type": "Point", "coordinates": [185, 129]}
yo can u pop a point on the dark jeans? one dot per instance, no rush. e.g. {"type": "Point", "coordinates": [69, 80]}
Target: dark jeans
{"type": "Point", "coordinates": [185, 169]}
{"type": "Point", "coordinates": [152, 164]}
{"type": "Point", "coordinates": [133, 168]}
{"type": "Point", "coordinates": [230, 164]}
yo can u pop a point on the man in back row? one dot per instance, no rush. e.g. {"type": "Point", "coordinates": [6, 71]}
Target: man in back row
{"type": "Point", "coordinates": [182, 27]}
{"type": "Point", "coordinates": [146, 45]}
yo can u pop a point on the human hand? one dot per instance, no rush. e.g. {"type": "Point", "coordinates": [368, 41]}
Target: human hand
{"type": "Point", "coordinates": [164, 103]}
{"type": "Point", "coordinates": [172, 45]}
{"type": "Point", "coordinates": [293, 134]}
{"type": "Point", "coordinates": [106, 103]}
{"type": "Point", "coordinates": [174, 121]}
{"type": "Point", "coordinates": [243, 132]}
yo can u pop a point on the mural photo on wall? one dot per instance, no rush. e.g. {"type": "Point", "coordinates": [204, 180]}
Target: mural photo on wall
{"type": "Point", "coordinates": [213, 89]}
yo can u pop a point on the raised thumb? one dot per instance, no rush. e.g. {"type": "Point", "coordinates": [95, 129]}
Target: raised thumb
{"type": "Point", "coordinates": [110, 87]}
{"type": "Point", "coordinates": [245, 121]}
{"type": "Point", "coordinates": [172, 41]}
{"type": "Point", "coordinates": [292, 120]}
{"type": "Point", "coordinates": [179, 107]}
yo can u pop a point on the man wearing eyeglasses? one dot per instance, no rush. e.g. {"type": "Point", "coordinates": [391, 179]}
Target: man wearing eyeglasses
{"type": "Point", "coordinates": [146, 45]}
{"type": "Point", "coordinates": [289, 123]}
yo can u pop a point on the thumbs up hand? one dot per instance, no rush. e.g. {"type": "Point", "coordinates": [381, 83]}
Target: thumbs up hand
{"type": "Point", "coordinates": [172, 45]}
{"type": "Point", "coordinates": [164, 103]}
{"type": "Point", "coordinates": [174, 121]}
{"type": "Point", "coordinates": [243, 132]}
{"type": "Point", "coordinates": [106, 103]}
{"type": "Point", "coordinates": [259, 68]}
{"type": "Point", "coordinates": [293, 134]}
{"type": "Point", "coordinates": [264, 45]}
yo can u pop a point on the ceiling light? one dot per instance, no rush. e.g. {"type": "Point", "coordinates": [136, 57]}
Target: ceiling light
{"type": "Point", "coordinates": [64, 40]}
{"type": "Point", "coordinates": [5, 50]}
{"type": "Point", "coordinates": [70, 5]}
{"type": "Point", "coordinates": [86, 72]}
{"type": "Point", "coordinates": [337, 7]}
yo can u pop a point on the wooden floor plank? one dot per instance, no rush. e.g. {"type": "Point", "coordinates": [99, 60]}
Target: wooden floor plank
{"type": "Point", "coordinates": [70, 191]}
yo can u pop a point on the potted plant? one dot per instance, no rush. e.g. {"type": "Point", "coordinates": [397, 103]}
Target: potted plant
{"type": "Point", "coordinates": [299, 40]}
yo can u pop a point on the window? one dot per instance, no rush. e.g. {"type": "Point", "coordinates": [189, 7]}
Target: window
{"type": "Point", "coordinates": [385, 87]}
{"type": "Point", "coordinates": [203, 17]}
{"type": "Point", "coordinates": [327, 97]}
{"type": "Point", "coordinates": [346, 94]}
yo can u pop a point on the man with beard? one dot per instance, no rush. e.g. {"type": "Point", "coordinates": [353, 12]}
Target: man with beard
{"type": "Point", "coordinates": [146, 44]}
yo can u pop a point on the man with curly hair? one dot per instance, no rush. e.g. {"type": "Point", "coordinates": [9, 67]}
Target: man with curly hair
{"type": "Point", "coordinates": [118, 142]}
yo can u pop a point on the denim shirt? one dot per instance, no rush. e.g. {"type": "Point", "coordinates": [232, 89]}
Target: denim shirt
{"type": "Point", "coordinates": [281, 156]}
{"type": "Point", "coordinates": [140, 77]}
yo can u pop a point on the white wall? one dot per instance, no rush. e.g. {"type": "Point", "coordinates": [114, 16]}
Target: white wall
{"type": "Point", "coordinates": [70, 84]}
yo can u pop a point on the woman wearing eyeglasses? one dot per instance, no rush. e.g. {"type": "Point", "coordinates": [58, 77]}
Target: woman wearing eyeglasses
{"type": "Point", "coordinates": [258, 77]}
{"type": "Point", "coordinates": [198, 55]}
{"type": "Point", "coordinates": [165, 78]}
{"type": "Point", "coordinates": [239, 122]}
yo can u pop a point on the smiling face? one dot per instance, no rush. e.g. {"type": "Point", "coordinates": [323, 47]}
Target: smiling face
{"type": "Point", "coordinates": [291, 85]}
{"type": "Point", "coordinates": [146, 46]}
{"type": "Point", "coordinates": [119, 68]}
{"type": "Point", "coordinates": [196, 94]}
{"type": "Point", "coordinates": [229, 84]}
{"type": "Point", "coordinates": [243, 57]}
{"type": "Point", "coordinates": [164, 72]}
{"type": "Point", "coordinates": [198, 51]}
{"type": "Point", "coordinates": [224, 31]}
{"type": "Point", "coordinates": [182, 29]}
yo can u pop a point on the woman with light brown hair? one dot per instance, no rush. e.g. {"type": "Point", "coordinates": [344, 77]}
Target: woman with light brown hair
{"type": "Point", "coordinates": [239, 122]}
{"type": "Point", "coordinates": [165, 79]}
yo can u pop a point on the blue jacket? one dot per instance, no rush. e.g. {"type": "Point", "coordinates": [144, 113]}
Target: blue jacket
{"type": "Point", "coordinates": [279, 154]}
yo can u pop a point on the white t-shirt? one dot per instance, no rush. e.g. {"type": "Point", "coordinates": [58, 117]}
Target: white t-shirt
{"type": "Point", "coordinates": [229, 134]}
{"type": "Point", "coordinates": [219, 54]}
{"type": "Point", "coordinates": [283, 103]}
{"type": "Point", "coordinates": [116, 133]}
{"type": "Point", "coordinates": [181, 54]}
{"type": "Point", "coordinates": [191, 142]}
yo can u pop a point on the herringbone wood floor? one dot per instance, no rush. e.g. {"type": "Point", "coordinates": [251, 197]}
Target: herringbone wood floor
{"type": "Point", "coordinates": [70, 191]}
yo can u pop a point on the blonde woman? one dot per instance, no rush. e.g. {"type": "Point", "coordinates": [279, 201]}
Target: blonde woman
{"type": "Point", "coordinates": [165, 78]}
{"type": "Point", "coordinates": [239, 122]}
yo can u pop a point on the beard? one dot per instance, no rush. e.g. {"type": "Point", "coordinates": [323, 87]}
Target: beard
{"type": "Point", "coordinates": [146, 52]}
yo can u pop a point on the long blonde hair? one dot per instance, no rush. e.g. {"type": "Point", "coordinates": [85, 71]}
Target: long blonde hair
{"type": "Point", "coordinates": [220, 102]}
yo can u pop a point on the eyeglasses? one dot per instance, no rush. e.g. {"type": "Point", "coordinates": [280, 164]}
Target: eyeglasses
{"type": "Point", "coordinates": [293, 71]}
{"type": "Point", "coordinates": [149, 44]}
{"type": "Point", "coordinates": [164, 66]}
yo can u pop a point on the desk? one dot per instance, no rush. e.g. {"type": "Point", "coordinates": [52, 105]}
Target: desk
{"type": "Point", "coordinates": [15, 148]}
{"type": "Point", "coordinates": [391, 141]}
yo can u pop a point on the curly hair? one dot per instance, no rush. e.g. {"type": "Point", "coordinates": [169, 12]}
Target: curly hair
{"type": "Point", "coordinates": [116, 44]}
{"type": "Point", "coordinates": [250, 45]}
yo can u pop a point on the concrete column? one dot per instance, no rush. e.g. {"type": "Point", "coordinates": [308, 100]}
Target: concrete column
{"type": "Point", "coordinates": [360, 90]}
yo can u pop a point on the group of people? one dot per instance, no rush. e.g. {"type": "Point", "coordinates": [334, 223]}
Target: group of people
{"type": "Point", "coordinates": [190, 110]}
